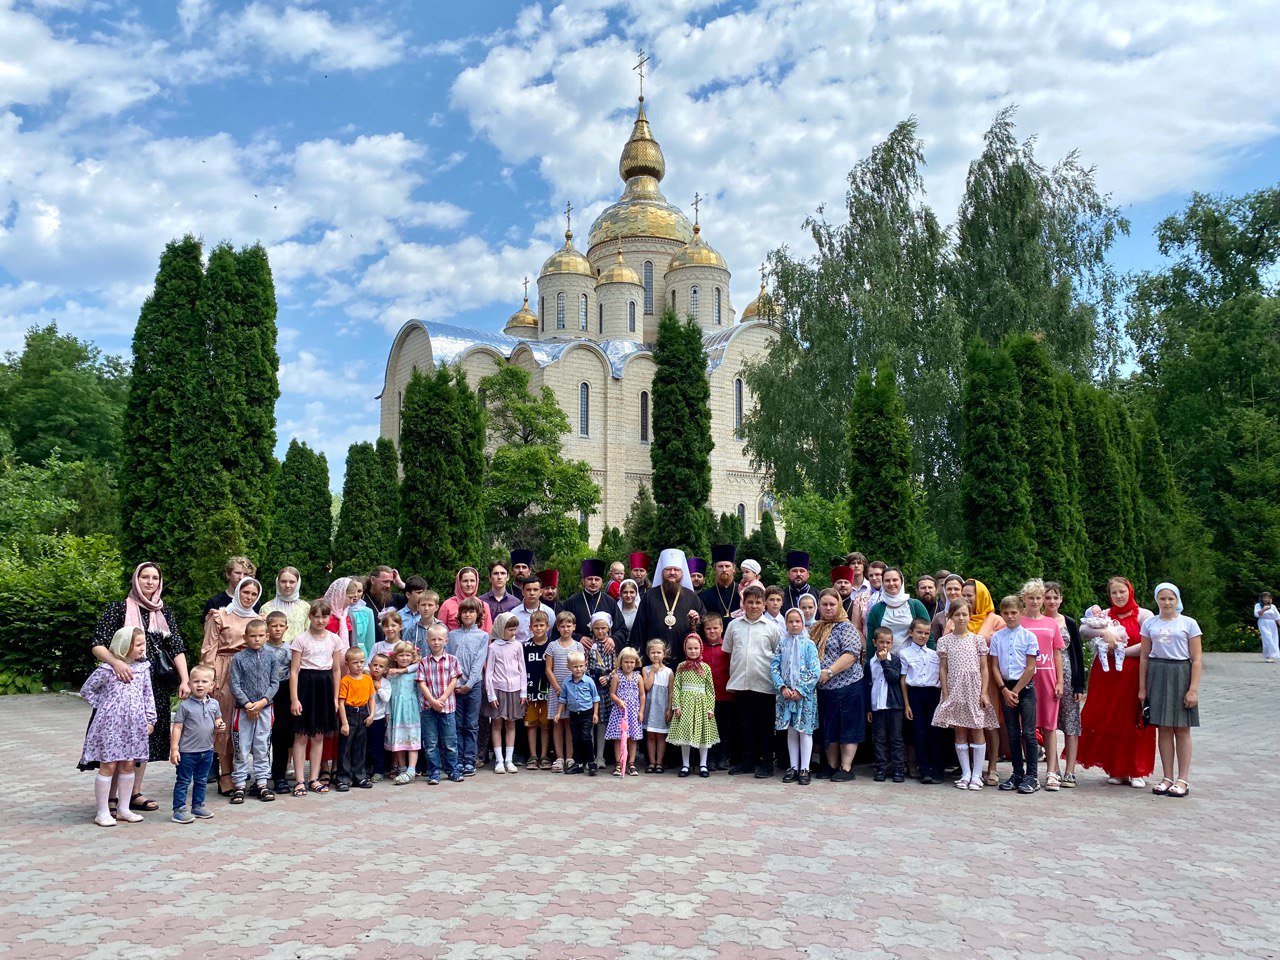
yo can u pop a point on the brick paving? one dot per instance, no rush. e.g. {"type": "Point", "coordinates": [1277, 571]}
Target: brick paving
{"type": "Point", "coordinates": [547, 866]}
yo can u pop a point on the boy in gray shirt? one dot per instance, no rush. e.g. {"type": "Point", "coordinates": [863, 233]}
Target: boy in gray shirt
{"type": "Point", "coordinates": [195, 721]}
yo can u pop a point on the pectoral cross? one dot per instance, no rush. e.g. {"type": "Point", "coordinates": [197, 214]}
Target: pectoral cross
{"type": "Point", "coordinates": [639, 68]}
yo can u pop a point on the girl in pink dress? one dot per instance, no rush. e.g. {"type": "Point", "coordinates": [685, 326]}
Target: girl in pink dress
{"type": "Point", "coordinates": [965, 706]}
{"type": "Point", "coordinates": [1048, 679]}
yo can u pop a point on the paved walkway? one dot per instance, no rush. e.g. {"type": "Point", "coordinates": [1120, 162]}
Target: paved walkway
{"type": "Point", "coordinates": [546, 866]}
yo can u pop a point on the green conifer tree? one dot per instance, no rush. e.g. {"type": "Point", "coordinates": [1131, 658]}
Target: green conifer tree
{"type": "Point", "coordinates": [1101, 489]}
{"type": "Point", "coordinates": [641, 531]}
{"type": "Point", "coordinates": [301, 525]}
{"type": "Point", "coordinates": [762, 546]}
{"type": "Point", "coordinates": [388, 497]}
{"type": "Point", "coordinates": [252, 351]}
{"type": "Point", "coordinates": [357, 543]}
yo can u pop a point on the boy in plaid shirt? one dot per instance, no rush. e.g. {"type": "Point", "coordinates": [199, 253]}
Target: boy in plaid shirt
{"type": "Point", "coordinates": [438, 674]}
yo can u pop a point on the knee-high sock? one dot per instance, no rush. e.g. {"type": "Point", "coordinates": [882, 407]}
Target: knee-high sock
{"type": "Point", "coordinates": [962, 754]}
{"type": "Point", "coordinates": [806, 750]}
{"type": "Point", "coordinates": [702, 756]}
{"type": "Point", "coordinates": [101, 791]}
{"type": "Point", "coordinates": [793, 747]}
{"type": "Point", "coordinates": [979, 757]}
{"type": "Point", "coordinates": [684, 755]}
{"type": "Point", "coordinates": [124, 787]}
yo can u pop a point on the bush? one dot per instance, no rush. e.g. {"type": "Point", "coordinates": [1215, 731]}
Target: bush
{"type": "Point", "coordinates": [1233, 638]}
{"type": "Point", "coordinates": [52, 591]}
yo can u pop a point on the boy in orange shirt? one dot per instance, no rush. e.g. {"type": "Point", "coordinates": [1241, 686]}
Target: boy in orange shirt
{"type": "Point", "coordinates": [354, 693]}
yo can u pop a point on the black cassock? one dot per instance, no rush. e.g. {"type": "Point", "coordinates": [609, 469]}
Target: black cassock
{"type": "Point", "coordinates": [583, 605]}
{"type": "Point", "coordinates": [721, 600]}
{"type": "Point", "coordinates": [791, 596]}
{"type": "Point", "coordinates": [651, 622]}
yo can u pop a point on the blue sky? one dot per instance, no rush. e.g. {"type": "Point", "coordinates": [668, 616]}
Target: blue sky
{"type": "Point", "coordinates": [411, 160]}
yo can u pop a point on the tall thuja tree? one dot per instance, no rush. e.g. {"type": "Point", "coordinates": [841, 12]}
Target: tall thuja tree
{"type": "Point", "coordinates": [168, 350]}
{"type": "Point", "coordinates": [1102, 488]}
{"type": "Point", "coordinates": [763, 546]}
{"type": "Point", "coordinates": [389, 498]}
{"type": "Point", "coordinates": [995, 493]}
{"type": "Point", "coordinates": [681, 449]}
{"type": "Point", "coordinates": [884, 509]}
{"type": "Point", "coordinates": [1031, 250]}
{"type": "Point", "coordinates": [358, 544]}
{"type": "Point", "coordinates": [1127, 444]}
{"type": "Point", "coordinates": [642, 529]}
{"type": "Point", "coordinates": [441, 495]}
{"type": "Point", "coordinates": [1055, 513]}
{"type": "Point", "coordinates": [301, 524]}
{"type": "Point", "coordinates": [1065, 395]}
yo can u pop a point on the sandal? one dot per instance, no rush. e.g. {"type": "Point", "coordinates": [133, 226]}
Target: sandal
{"type": "Point", "coordinates": [139, 802]}
{"type": "Point", "coordinates": [319, 786]}
{"type": "Point", "coordinates": [299, 789]}
{"type": "Point", "coordinates": [632, 771]}
{"type": "Point", "coordinates": [326, 777]}
{"type": "Point", "coordinates": [533, 764]}
{"type": "Point", "coordinates": [1179, 791]}
{"type": "Point", "coordinates": [237, 795]}
{"type": "Point", "coordinates": [617, 771]}
{"type": "Point", "coordinates": [992, 779]}
{"type": "Point", "coordinates": [113, 807]}
{"type": "Point", "coordinates": [266, 795]}
{"type": "Point", "coordinates": [1052, 782]}
{"type": "Point", "coordinates": [1160, 789]}
{"type": "Point", "coordinates": [651, 769]}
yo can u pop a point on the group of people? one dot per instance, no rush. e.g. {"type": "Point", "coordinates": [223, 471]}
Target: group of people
{"type": "Point", "coordinates": [379, 680]}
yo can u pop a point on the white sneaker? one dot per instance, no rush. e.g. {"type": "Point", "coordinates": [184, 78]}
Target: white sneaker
{"type": "Point", "coordinates": [511, 767]}
{"type": "Point", "coordinates": [107, 821]}
{"type": "Point", "coordinates": [499, 767]}
{"type": "Point", "coordinates": [1137, 783]}
{"type": "Point", "coordinates": [1115, 781]}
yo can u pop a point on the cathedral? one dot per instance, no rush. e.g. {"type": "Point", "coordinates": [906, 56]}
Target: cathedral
{"type": "Point", "coordinates": [591, 335]}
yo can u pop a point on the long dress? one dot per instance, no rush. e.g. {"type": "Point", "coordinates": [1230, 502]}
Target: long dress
{"type": "Point", "coordinates": [163, 688]}
{"type": "Point", "coordinates": [966, 659]}
{"type": "Point", "coordinates": [223, 639]}
{"type": "Point", "coordinates": [121, 712]}
{"type": "Point", "coordinates": [404, 715]}
{"type": "Point", "coordinates": [1110, 735]}
{"type": "Point", "coordinates": [628, 693]}
{"type": "Point", "coordinates": [694, 693]}
{"type": "Point", "coordinates": [795, 665]}
{"type": "Point", "coordinates": [1048, 639]}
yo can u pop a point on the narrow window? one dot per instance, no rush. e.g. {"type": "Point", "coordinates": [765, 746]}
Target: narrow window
{"type": "Point", "coordinates": [737, 408]}
{"type": "Point", "coordinates": [673, 299]}
{"type": "Point", "coordinates": [584, 409]}
{"type": "Point", "coordinates": [717, 306]}
{"type": "Point", "coordinates": [559, 311]}
{"type": "Point", "coordinates": [693, 302]}
{"type": "Point", "coordinates": [742, 515]}
{"type": "Point", "coordinates": [582, 313]}
{"type": "Point", "coordinates": [542, 314]}
{"type": "Point", "coordinates": [644, 416]}
{"type": "Point", "coordinates": [600, 310]}
{"type": "Point", "coordinates": [648, 287]}
{"type": "Point", "coordinates": [631, 317]}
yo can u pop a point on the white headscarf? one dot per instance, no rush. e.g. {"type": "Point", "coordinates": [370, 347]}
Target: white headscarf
{"type": "Point", "coordinates": [671, 557]}
{"type": "Point", "coordinates": [794, 660]}
{"type": "Point", "coordinates": [1176, 592]}
{"type": "Point", "coordinates": [751, 565]}
{"type": "Point", "coordinates": [234, 605]}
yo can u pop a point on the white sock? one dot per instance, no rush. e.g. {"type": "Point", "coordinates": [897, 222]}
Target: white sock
{"type": "Point", "coordinates": [101, 793]}
{"type": "Point", "coordinates": [124, 788]}
{"type": "Point", "coordinates": [962, 754]}
{"type": "Point", "coordinates": [979, 758]}
{"type": "Point", "coordinates": [684, 755]}
{"type": "Point", "coordinates": [793, 747]}
{"type": "Point", "coordinates": [806, 750]}
{"type": "Point", "coordinates": [702, 757]}
{"type": "Point", "coordinates": [510, 754]}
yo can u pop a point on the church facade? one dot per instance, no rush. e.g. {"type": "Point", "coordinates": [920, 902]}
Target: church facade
{"type": "Point", "coordinates": [589, 335]}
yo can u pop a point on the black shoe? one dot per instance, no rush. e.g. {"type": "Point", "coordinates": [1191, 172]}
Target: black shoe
{"type": "Point", "coordinates": [741, 769]}
{"type": "Point", "coordinates": [1028, 785]}
{"type": "Point", "coordinates": [703, 772]}
{"type": "Point", "coordinates": [803, 779]}
{"type": "Point", "coordinates": [841, 776]}
{"type": "Point", "coordinates": [342, 786]}
{"type": "Point", "coordinates": [684, 772]}
{"type": "Point", "coordinates": [824, 773]}
{"type": "Point", "coordinates": [365, 784]}
{"type": "Point", "coordinates": [282, 786]}
{"type": "Point", "coordinates": [1010, 784]}
{"type": "Point", "coordinates": [591, 770]}
{"type": "Point", "coordinates": [791, 776]}
{"type": "Point", "coordinates": [573, 768]}
{"type": "Point", "coordinates": [899, 777]}
{"type": "Point", "coordinates": [926, 779]}
{"type": "Point", "coordinates": [764, 771]}
{"type": "Point", "coordinates": [722, 765]}
{"type": "Point", "coordinates": [880, 776]}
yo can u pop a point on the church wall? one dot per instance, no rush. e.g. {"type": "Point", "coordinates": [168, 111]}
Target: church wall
{"type": "Point", "coordinates": [565, 377]}
{"type": "Point", "coordinates": [635, 251]}
{"type": "Point", "coordinates": [411, 350]}
{"type": "Point", "coordinates": [616, 297]}
{"type": "Point", "coordinates": [574, 286]}
{"type": "Point", "coordinates": [707, 280]}
{"type": "Point", "coordinates": [630, 465]}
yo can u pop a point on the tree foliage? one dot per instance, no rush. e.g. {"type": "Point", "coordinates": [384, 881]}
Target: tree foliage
{"type": "Point", "coordinates": [358, 542]}
{"type": "Point", "coordinates": [762, 546]}
{"type": "Point", "coordinates": [301, 527]}
{"type": "Point", "coordinates": [643, 528]}
{"type": "Point", "coordinates": [681, 448]}
{"type": "Point", "coordinates": [389, 498]}
{"type": "Point", "coordinates": [819, 527]}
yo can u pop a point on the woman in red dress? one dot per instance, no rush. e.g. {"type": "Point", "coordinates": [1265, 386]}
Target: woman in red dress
{"type": "Point", "coordinates": [1111, 734]}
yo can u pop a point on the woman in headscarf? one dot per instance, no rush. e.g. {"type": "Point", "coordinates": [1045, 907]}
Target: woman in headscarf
{"type": "Point", "coordinates": [288, 602]}
{"type": "Point", "coordinates": [223, 639]}
{"type": "Point", "coordinates": [465, 585]}
{"type": "Point", "coordinates": [984, 620]}
{"type": "Point", "coordinates": [144, 608]}
{"type": "Point", "coordinates": [895, 610]}
{"type": "Point", "coordinates": [341, 596]}
{"type": "Point", "coordinates": [840, 685]}
{"type": "Point", "coordinates": [952, 586]}
{"type": "Point", "coordinates": [628, 607]}
{"type": "Point", "coordinates": [1111, 732]}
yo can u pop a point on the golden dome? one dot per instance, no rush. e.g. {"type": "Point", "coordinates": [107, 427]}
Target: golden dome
{"type": "Point", "coordinates": [761, 308]}
{"type": "Point", "coordinates": [567, 260]}
{"type": "Point", "coordinates": [618, 272]}
{"type": "Point", "coordinates": [696, 253]}
{"type": "Point", "coordinates": [641, 155]}
{"type": "Point", "coordinates": [522, 320]}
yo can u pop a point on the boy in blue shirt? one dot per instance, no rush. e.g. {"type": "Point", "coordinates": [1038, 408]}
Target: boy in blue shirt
{"type": "Point", "coordinates": [1013, 651]}
{"type": "Point", "coordinates": [581, 700]}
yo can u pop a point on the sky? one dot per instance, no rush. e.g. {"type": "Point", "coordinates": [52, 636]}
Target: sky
{"type": "Point", "coordinates": [404, 160]}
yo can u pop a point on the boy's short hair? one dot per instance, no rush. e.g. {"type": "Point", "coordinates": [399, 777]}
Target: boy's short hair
{"type": "Point", "coordinates": [204, 667]}
{"type": "Point", "coordinates": [773, 592]}
{"type": "Point", "coordinates": [712, 617]}
{"type": "Point", "coordinates": [320, 608]}
{"type": "Point", "coordinates": [474, 605]}
{"type": "Point", "coordinates": [415, 584]}
{"type": "Point", "coordinates": [276, 615]}
{"type": "Point", "coordinates": [1011, 602]}
{"type": "Point", "coordinates": [496, 564]}
{"type": "Point", "coordinates": [564, 616]}
{"type": "Point", "coordinates": [254, 624]}
{"type": "Point", "coordinates": [429, 596]}
{"type": "Point", "coordinates": [388, 615]}
{"type": "Point", "coordinates": [380, 658]}
{"type": "Point", "coordinates": [531, 578]}
{"type": "Point", "coordinates": [881, 633]}
{"type": "Point", "coordinates": [576, 657]}
{"type": "Point", "coordinates": [539, 616]}
{"type": "Point", "coordinates": [352, 653]}
{"type": "Point", "coordinates": [250, 568]}
{"type": "Point", "coordinates": [753, 590]}
{"type": "Point", "coordinates": [438, 630]}
{"type": "Point", "coordinates": [915, 621]}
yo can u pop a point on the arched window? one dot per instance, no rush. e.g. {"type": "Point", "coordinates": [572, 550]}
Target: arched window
{"type": "Point", "coordinates": [737, 408]}
{"type": "Point", "coordinates": [673, 299]}
{"type": "Point", "coordinates": [644, 416]}
{"type": "Point", "coordinates": [631, 317]}
{"type": "Point", "coordinates": [600, 310]}
{"type": "Point", "coordinates": [582, 313]}
{"type": "Point", "coordinates": [648, 287]}
{"type": "Point", "coordinates": [584, 409]}
{"type": "Point", "coordinates": [693, 302]}
{"type": "Point", "coordinates": [559, 311]}
{"type": "Point", "coordinates": [542, 314]}
{"type": "Point", "coordinates": [717, 316]}
{"type": "Point", "coordinates": [742, 515]}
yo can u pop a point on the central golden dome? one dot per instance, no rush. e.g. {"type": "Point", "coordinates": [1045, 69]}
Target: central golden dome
{"type": "Point", "coordinates": [642, 210]}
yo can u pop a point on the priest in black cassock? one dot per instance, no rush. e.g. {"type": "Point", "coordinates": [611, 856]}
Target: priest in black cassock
{"type": "Point", "coordinates": [797, 579]}
{"type": "Point", "coordinates": [591, 599]}
{"type": "Point", "coordinates": [664, 610]}
{"type": "Point", "coordinates": [721, 596]}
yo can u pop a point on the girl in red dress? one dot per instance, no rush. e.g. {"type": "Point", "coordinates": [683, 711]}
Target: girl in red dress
{"type": "Point", "coordinates": [1111, 734]}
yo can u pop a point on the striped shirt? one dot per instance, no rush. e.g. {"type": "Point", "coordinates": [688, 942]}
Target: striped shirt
{"type": "Point", "coordinates": [436, 672]}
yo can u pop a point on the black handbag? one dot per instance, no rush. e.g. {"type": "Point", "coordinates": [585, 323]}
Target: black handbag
{"type": "Point", "coordinates": [162, 666]}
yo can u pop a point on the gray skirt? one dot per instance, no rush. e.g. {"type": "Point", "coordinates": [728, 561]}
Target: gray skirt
{"type": "Point", "coordinates": [508, 706]}
{"type": "Point", "coordinates": [1167, 683]}
{"type": "Point", "coordinates": [1068, 709]}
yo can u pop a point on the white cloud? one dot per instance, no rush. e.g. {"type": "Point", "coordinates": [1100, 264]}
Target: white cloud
{"type": "Point", "coordinates": [299, 34]}
{"type": "Point", "coordinates": [193, 13]}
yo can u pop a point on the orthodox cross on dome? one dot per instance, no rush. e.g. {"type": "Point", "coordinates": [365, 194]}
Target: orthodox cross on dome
{"type": "Point", "coordinates": [761, 274]}
{"type": "Point", "coordinates": [697, 202]}
{"type": "Point", "coordinates": [568, 216]}
{"type": "Point", "coordinates": [639, 68]}
{"type": "Point", "coordinates": [526, 288]}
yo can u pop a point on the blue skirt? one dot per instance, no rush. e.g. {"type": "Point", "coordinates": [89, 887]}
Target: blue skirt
{"type": "Point", "coordinates": [844, 719]}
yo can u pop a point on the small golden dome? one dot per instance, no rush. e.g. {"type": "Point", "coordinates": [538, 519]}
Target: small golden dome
{"type": "Point", "coordinates": [522, 320]}
{"type": "Point", "coordinates": [641, 155]}
{"type": "Point", "coordinates": [696, 253]}
{"type": "Point", "coordinates": [761, 308]}
{"type": "Point", "coordinates": [618, 272]}
{"type": "Point", "coordinates": [567, 260]}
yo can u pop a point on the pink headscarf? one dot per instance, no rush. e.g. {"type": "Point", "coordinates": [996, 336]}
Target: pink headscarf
{"type": "Point", "coordinates": [137, 601]}
{"type": "Point", "coordinates": [457, 583]}
{"type": "Point", "coordinates": [336, 597]}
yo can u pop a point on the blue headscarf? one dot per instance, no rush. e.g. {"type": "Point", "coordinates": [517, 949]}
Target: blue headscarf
{"type": "Point", "coordinates": [1176, 592]}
